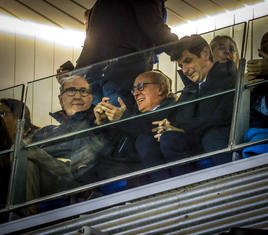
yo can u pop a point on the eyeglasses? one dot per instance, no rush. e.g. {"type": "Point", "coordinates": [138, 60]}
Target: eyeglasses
{"type": "Point", "coordinates": [140, 86]}
{"type": "Point", "coordinates": [71, 91]}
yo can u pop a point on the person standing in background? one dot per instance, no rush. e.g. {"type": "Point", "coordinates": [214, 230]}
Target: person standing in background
{"type": "Point", "coordinates": [118, 28]}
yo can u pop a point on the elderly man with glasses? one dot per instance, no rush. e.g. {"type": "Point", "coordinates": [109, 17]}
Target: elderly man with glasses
{"type": "Point", "coordinates": [69, 162]}
{"type": "Point", "coordinates": [151, 91]}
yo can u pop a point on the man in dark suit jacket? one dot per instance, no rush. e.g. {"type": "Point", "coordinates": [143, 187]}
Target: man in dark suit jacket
{"type": "Point", "coordinates": [207, 122]}
{"type": "Point", "coordinates": [117, 28]}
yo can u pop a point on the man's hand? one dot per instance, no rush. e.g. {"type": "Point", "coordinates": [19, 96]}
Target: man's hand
{"type": "Point", "coordinates": [164, 125]}
{"type": "Point", "coordinates": [99, 114]}
{"type": "Point", "coordinates": [105, 110]}
{"type": "Point", "coordinates": [113, 113]}
{"type": "Point", "coordinates": [256, 68]}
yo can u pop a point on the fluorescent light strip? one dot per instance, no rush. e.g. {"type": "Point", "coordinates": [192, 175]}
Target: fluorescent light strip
{"type": "Point", "coordinates": [220, 20]}
{"type": "Point", "coordinates": [69, 38]}
{"type": "Point", "coordinates": [73, 38]}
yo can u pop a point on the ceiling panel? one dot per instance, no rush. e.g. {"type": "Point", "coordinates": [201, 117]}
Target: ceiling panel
{"type": "Point", "coordinates": [252, 1]}
{"type": "Point", "coordinates": [70, 13]}
{"type": "Point", "coordinates": [70, 8]}
{"type": "Point", "coordinates": [54, 14]}
{"type": "Point", "coordinates": [173, 18]}
{"type": "Point", "coordinates": [16, 9]}
{"type": "Point", "coordinates": [228, 4]}
{"type": "Point", "coordinates": [85, 3]}
{"type": "Point", "coordinates": [183, 9]}
{"type": "Point", "coordinates": [205, 6]}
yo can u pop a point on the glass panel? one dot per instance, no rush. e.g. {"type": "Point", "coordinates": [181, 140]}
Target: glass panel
{"type": "Point", "coordinates": [239, 36]}
{"type": "Point", "coordinates": [258, 32]}
{"type": "Point", "coordinates": [257, 76]}
{"type": "Point", "coordinates": [10, 112]}
{"type": "Point", "coordinates": [93, 138]}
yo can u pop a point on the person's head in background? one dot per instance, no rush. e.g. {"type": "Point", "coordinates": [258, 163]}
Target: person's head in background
{"type": "Point", "coordinates": [11, 111]}
{"type": "Point", "coordinates": [224, 48]}
{"type": "Point", "coordinates": [150, 89]}
{"type": "Point", "coordinates": [75, 95]}
{"type": "Point", "coordinates": [194, 57]}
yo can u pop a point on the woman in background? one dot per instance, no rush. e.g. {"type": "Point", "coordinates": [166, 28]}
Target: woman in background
{"type": "Point", "coordinates": [224, 48]}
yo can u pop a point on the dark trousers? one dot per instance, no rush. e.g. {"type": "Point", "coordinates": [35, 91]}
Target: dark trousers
{"type": "Point", "coordinates": [172, 147]}
{"type": "Point", "coordinates": [215, 139]}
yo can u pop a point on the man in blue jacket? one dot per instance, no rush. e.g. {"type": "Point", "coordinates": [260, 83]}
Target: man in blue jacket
{"type": "Point", "coordinates": [70, 162]}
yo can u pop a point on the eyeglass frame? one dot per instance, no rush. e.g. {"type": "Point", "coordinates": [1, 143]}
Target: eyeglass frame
{"type": "Point", "coordinates": [73, 89]}
{"type": "Point", "coordinates": [140, 86]}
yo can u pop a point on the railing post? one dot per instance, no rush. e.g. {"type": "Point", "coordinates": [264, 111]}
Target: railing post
{"type": "Point", "coordinates": [240, 119]}
{"type": "Point", "coordinates": [14, 165]}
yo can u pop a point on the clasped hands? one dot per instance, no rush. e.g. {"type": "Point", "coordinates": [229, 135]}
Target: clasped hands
{"type": "Point", "coordinates": [105, 111]}
{"type": "Point", "coordinates": [164, 125]}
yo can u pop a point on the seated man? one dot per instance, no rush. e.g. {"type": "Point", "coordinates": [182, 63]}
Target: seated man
{"type": "Point", "coordinates": [207, 121]}
{"type": "Point", "coordinates": [151, 91]}
{"type": "Point", "coordinates": [69, 162]}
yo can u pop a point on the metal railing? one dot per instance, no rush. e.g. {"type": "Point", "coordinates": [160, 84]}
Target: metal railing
{"type": "Point", "coordinates": [233, 144]}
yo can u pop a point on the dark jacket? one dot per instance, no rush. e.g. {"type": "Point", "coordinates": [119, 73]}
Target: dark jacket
{"type": "Point", "coordinates": [83, 149]}
{"type": "Point", "coordinates": [196, 118]}
{"type": "Point", "coordinates": [143, 125]}
{"type": "Point", "coordinates": [119, 27]}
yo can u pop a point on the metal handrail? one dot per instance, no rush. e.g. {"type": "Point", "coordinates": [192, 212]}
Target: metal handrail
{"type": "Point", "coordinates": [6, 151]}
{"type": "Point", "coordinates": [130, 175]}
{"type": "Point", "coordinates": [136, 173]}
{"type": "Point", "coordinates": [38, 143]}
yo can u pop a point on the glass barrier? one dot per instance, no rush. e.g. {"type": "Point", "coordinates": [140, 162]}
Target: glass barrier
{"type": "Point", "coordinates": [257, 76]}
{"type": "Point", "coordinates": [84, 138]}
{"type": "Point", "coordinates": [10, 111]}
{"type": "Point", "coordinates": [85, 141]}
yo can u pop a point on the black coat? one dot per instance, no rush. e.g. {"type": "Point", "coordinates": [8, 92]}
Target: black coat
{"type": "Point", "coordinates": [196, 118]}
{"type": "Point", "coordinates": [121, 27]}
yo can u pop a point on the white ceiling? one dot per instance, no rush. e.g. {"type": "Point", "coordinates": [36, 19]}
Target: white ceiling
{"type": "Point", "coordinates": [70, 13]}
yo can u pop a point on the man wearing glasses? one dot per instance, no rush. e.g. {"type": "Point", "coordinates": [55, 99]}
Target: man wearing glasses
{"type": "Point", "coordinates": [69, 162]}
{"type": "Point", "coordinates": [151, 91]}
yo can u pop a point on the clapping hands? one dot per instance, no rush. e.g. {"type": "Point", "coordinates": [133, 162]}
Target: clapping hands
{"type": "Point", "coordinates": [105, 111]}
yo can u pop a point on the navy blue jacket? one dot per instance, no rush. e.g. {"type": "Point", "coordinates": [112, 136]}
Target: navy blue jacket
{"type": "Point", "coordinates": [196, 118]}
{"type": "Point", "coordinates": [84, 148]}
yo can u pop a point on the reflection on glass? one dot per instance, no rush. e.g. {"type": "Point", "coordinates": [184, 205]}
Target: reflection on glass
{"type": "Point", "coordinates": [102, 130]}
{"type": "Point", "coordinates": [257, 72]}
{"type": "Point", "coordinates": [10, 111]}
